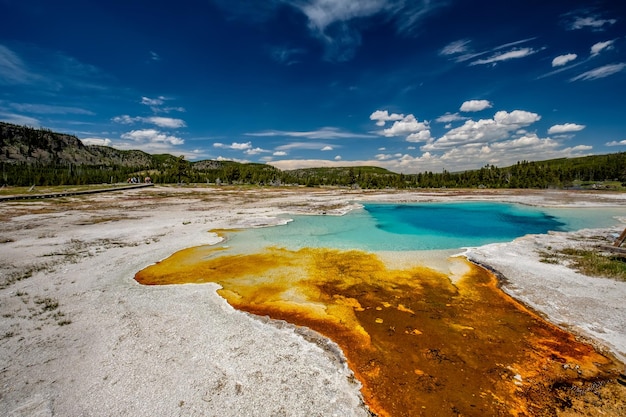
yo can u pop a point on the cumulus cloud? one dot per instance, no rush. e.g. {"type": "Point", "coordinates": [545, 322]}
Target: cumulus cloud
{"type": "Point", "coordinates": [600, 72]}
{"type": "Point", "coordinates": [383, 156]}
{"type": "Point", "coordinates": [125, 119]}
{"type": "Point", "coordinates": [338, 158]}
{"type": "Point", "coordinates": [421, 136]}
{"type": "Point", "coordinates": [503, 153]}
{"type": "Point", "coordinates": [499, 128]}
{"type": "Point", "coordinates": [616, 143]}
{"type": "Point", "coordinates": [601, 46]}
{"type": "Point", "coordinates": [383, 116]}
{"type": "Point", "coordinates": [406, 126]}
{"type": "Point", "coordinates": [475, 105]}
{"type": "Point", "coordinates": [279, 153]}
{"type": "Point", "coordinates": [327, 148]}
{"type": "Point", "coordinates": [165, 122]}
{"type": "Point", "coordinates": [255, 151]}
{"type": "Point", "coordinates": [563, 59]}
{"type": "Point", "coordinates": [565, 128]}
{"type": "Point", "coordinates": [97, 141]}
{"type": "Point", "coordinates": [234, 146]}
{"type": "Point", "coordinates": [152, 136]}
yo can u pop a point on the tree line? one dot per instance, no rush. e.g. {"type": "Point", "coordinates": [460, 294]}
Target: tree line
{"type": "Point", "coordinates": [561, 173]}
{"type": "Point", "coordinates": [41, 157]}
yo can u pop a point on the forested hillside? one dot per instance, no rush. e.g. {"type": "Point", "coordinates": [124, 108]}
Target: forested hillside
{"type": "Point", "coordinates": [41, 157]}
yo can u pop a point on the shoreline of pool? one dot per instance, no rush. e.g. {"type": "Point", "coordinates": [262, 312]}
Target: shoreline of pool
{"type": "Point", "coordinates": [109, 346]}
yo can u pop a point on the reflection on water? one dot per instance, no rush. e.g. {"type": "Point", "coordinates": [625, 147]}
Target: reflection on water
{"type": "Point", "coordinates": [420, 345]}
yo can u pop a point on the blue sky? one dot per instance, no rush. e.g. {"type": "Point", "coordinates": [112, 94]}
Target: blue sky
{"type": "Point", "coordinates": [409, 85]}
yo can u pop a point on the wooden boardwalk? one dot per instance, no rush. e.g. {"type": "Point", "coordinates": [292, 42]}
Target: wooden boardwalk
{"type": "Point", "coordinates": [620, 240]}
{"type": "Point", "coordinates": [71, 193]}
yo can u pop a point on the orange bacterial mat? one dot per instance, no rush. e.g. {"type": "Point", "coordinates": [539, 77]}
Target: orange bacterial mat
{"type": "Point", "coordinates": [420, 344]}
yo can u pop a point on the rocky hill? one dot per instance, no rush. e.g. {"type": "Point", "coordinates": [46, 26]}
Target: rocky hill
{"type": "Point", "coordinates": [20, 144]}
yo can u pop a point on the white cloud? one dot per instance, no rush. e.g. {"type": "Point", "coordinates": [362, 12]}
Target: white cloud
{"type": "Point", "coordinates": [125, 119]}
{"type": "Point", "coordinates": [563, 59]}
{"type": "Point", "coordinates": [516, 118]}
{"type": "Point", "coordinates": [165, 122]}
{"type": "Point", "coordinates": [565, 128]}
{"type": "Point", "coordinates": [601, 46]}
{"type": "Point", "coordinates": [154, 56]}
{"type": "Point", "coordinates": [241, 161]}
{"type": "Point", "coordinates": [97, 141]}
{"type": "Point", "coordinates": [421, 136]}
{"type": "Point", "coordinates": [338, 158]}
{"type": "Point", "coordinates": [593, 22]}
{"type": "Point", "coordinates": [336, 22]}
{"type": "Point", "coordinates": [323, 133]}
{"type": "Point", "coordinates": [450, 117]}
{"type": "Point", "coordinates": [473, 156]}
{"type": "Point", "coordinates": [600, 72]}
{"type": "Point", "coordinates": [152, 101]}
{"type": "Point", "coordinates": [616, 143]}
{"type": "Point", "coordinates": [50, 71]}
{"type": "Point", "coordinates": [49, 109]}
{"type": "Point", "coordinates": [279, 153]}
{"type": "Point", "coordinates": [302, 145]}
{"type": "Point", "coordinates": [483, 131]}
{"type": "Point", "coordinates": [407, 126]}
{"type": "Point", "coordinates": [475, 105]}
{"type": "Point", "coordinates": [506, 56]}
{"type": "Point", "coordinates": [329, 20]}
{"type": "Point", "coordinates": [155, 120]}
{"type": "Point", "coordinates": [255, 151]}
{"type": "Point", "coordinates": [156, 105]}
{"type": "Point", "coordinates": [18, 119]}
{"type": "Point", "coordinates": [529, 141]}
{"type": "Point", "coordinates": [456, 47]}
{"type": "Point", "coordinates": [151, 136]}
{"type": "Point", "coordinates": [289, 164]}
{"type": "Point", "coordinates": [234, 146]}
{"type": "Point", "coordinates": [461, 52]}
{"type": "Point", "coordinates": [382, 116]}
{"type": "Point", "coordinates": [13, 70]}
{"type": "Point", "coordinates": [327, 148]}
{"type": "Point", "coordinates": [323, 13]}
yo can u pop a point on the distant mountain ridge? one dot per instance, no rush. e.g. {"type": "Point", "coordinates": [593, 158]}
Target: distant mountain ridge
{"type": "Point", "coordinates": [39, 156]}
{"type": "Point", "coordinates": [20, 144]}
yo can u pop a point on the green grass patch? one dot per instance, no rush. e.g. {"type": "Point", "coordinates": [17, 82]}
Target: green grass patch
{"type": "Point", "coordinates": [595, 263]}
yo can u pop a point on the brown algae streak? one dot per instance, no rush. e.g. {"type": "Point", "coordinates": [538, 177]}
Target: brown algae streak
{"type": "Point", "coordinates": [419, 344]}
